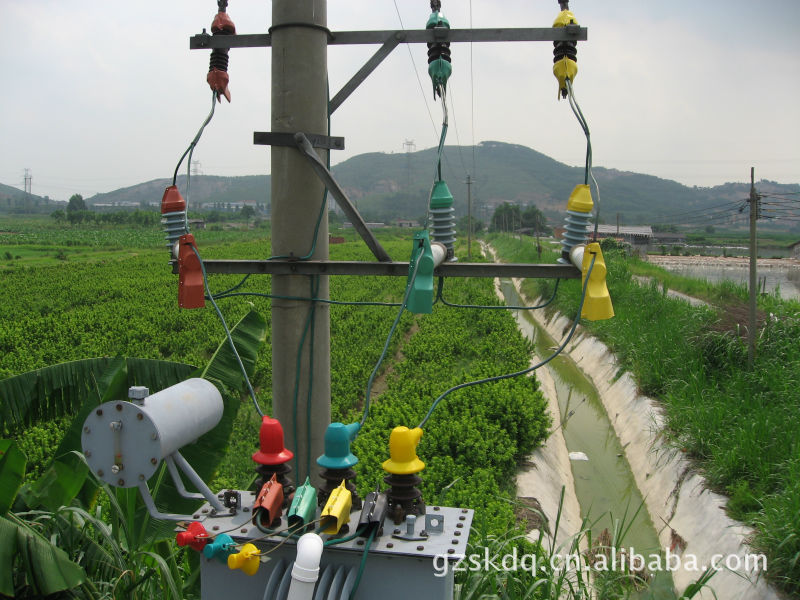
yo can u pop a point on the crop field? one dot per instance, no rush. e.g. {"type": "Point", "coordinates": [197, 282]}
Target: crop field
{"type": "Point", "coordinates": [126, 305]}
{"type": "Point", "coordinates": [741, 427]}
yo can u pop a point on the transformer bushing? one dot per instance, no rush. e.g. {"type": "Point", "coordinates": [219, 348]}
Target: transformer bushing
{"type": "Point", "coordinates": [404, 497]}
{"type": "Point", "coordinates": [338, 461]}
{"type": "Point", "coordinates": [579, 215]}
{"type": "Point", "coordinates": [273, 458]}
{"type": "Point", "coordinates": [443, 220]}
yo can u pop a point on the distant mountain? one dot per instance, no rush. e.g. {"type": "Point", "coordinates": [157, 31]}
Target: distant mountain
{"type": "Point", "coordinates": [16, 200]}
{"type": "Point", "coordinates": [386, 187]}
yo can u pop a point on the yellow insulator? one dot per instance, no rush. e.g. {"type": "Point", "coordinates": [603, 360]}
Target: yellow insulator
{"type": "Point", "coordinates": [564, 69]}
{"type": "Point", "coordinates": [597, 305]}
{"type": "Point", "coordinates": [403, 459]}
{"type": "Point", "coordinates": [565, 54]}
{"type": "Point", "coordinates": [336, 512]}
{"type": "Point", "coordinates": [247, 559]}
{"type": "Point", "coordinates": [564, 18]}
{"type": "Point", "coordinates": [580, 200]}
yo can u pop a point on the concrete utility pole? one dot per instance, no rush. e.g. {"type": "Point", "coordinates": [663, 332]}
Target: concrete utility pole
{"type": "Point", "coordinates": [751, 327]}
{"type": "Point", "coordinates": [299, 104]}
{"type": "Point", "coordinates": [469, 183]}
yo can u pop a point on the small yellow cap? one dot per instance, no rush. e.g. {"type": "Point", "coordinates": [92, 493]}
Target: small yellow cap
{"type": "Point", "coordinates": [580, 200]}
{"type": "Point", "coordinates": [246, 559]}
{"type": "Point", "coordinates": [564, 18]}
{"type": "Point", "coordinates": [403, 451]}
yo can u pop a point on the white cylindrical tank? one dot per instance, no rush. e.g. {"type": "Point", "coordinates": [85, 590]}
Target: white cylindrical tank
{"type": "Point", "coordinates": [124, 442]}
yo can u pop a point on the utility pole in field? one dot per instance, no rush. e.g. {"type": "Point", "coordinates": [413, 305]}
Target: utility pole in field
{"type": "Point", "coordinates": [300, 103]}
{"type": "Point", "coordinates": [754, 201]}
{"type": "Point", "coordinates": [469, 183]}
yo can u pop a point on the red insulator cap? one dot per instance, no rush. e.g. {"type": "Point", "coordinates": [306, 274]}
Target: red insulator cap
{"type": "Point", "coordinates": [195, 536]}
{"type": "Point", "coordinates": [218, 82]}
{"type": "Point", "coordinates": [222, 22]}
{"type": "Point", "coordinates": [172, 201]}
{"type": "Point", "coordinates": [270, 437]}
{"type": "Point", "coordinates": [191, 287]}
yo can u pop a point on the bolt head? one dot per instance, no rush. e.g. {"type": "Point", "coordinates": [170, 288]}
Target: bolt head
{"type": "Point", "coordinates": [141, 477]}
{"type": "Point", "coordinates": [100, 472]}
{"type": "Point", "coordinates": [88, 454]}
{"type": "Point", "coordinates": [139, 416]}
{"type": "Point", "coordinates": [86, 430]}
{"type": "Point", "coordinates": [153, 461]}
{"type": "Point", "coordinates": [99, 412]}
{"type": "Point", "coordinates": [118, 407]}
{"type": "Point", "coordinates": [116, 469]}
{"type": "Point", "coordinates": [120, 482]}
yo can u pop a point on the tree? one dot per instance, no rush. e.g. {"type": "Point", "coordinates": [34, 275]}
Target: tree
{"type": "Point", "coordinates": [533, 218]}
{"type": "Point", "coordinates": [477, 226]}
{"type": "Point", "coordinates": [506, 217]}
{"type": "Point", "coordinates": [247, 212]}
{"type": "Point", "coordinates": [76, 203]}
{"type": "Point", "coordinates": [59, 215]}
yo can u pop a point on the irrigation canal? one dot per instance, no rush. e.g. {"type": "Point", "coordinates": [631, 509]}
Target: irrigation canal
{"type": "Point", "coordinates": [604, 484]}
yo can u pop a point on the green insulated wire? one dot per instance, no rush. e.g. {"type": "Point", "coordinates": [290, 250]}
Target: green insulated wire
{"type": "Point", "coordinates": [524, 371]}
{"type": "Point", "coordinates": [409, 287]}
{"type": "Point", "coordinates": [227, 333]}
{"type": "Point", "coordinates": [576, 109]}
{"type": "Point", "coordinates": [363, 563]}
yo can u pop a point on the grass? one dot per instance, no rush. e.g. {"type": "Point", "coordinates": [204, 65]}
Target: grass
{"type": "Point", "coordinates": [742, 428]}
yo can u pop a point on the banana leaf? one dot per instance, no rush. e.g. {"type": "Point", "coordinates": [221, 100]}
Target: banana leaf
{"type": "Point", "coordinates": [47, 568]}
{"type": "Point", "coordinates": [58, 390]}
{"type": "Point", "coordinates": [12, 472]}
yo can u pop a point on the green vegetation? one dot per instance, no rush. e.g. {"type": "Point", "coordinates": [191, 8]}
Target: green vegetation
{"type": "Point", "coordinates": [741, 427]}
{"type": "Point", "coordinates": [75, 310]}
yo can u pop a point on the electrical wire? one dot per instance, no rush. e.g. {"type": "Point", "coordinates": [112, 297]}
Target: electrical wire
{"type": "Point", "coordinates": [210, 296]}
{"type": "Point", "coordinates": [363, 563]}
{"type": "Point", "coordinates": [576, 110]}
{"type": "Point", "coordinates": [439, 296]}
{"type": "Point", "coordinates": [524, 371]}
{"type": "Point", "coordinates": [306, 299]}
{"type": "Point", "coordinates": [193, 143]}
{"type": "Point", "coordinates": [342, 540]}
{"type": "Point", "coordinates": [409, 287]}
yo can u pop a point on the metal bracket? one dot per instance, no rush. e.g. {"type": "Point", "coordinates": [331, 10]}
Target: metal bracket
{"type": "Point", "coordinates": [271, 138]}
{"type": "Point", "coordinates": [304, 146]}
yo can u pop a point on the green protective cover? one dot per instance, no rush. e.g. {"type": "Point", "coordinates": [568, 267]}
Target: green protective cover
{"type": "Point", "coordinates": [337, 446]}
{"type": "Point", "coordinates": [420, 299]}
{"type": "Point", "coordinates": [304, 505]}
{"type": "Point", "coordinates": [441, 196]}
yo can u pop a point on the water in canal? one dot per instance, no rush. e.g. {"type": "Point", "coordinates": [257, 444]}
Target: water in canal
{"type": "Point", "coordinates": [604, 483]}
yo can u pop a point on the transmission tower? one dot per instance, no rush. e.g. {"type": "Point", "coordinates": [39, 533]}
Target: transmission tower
{"type": "Point", "coordinates": [28, 182]}
{"type": "Point", "coordinates": [197, 168]}
{"type": "Point", "coordinates": [409, 146]}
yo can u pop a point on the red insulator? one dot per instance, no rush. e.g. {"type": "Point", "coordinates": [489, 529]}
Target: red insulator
{"type": "Point", "coordinates": [217, 77]}
{"type": "Point", "coordinates": [272, 451]}
{"type": "Point", "coordinates": [172, 201]}
{"type": "Point", "coordinates": [191, 288]}
{"type": "Point", "coordinates": [195, 536]}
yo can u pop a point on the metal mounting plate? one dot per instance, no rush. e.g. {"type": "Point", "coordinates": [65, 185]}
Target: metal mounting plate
{"type": "Point", "coordinates": [271, 138]}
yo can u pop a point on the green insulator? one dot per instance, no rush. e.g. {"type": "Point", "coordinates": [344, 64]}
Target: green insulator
{"type": "Point", "coordinates": [439, 65]}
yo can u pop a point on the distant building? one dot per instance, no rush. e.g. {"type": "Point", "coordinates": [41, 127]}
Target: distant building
{"type": "Point", "coordinates": [197, 224]}
{"type": "Point", "coordinates": [668, 237]}
{"type": "Point", "coordinates": [406, 223]}
{"type": "Point", "coordinates": [349, 225]}
{"type": "Point", "coordinates": [795, 248]}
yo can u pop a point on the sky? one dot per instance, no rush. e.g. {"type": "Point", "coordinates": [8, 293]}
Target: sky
{"type": "Point", "coordinates": [102, 95]}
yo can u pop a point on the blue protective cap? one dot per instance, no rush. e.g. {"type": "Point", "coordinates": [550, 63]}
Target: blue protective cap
{"type": "Point", "coordinates": [337, 446]}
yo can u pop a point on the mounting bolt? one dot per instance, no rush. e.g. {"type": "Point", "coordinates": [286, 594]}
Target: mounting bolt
{"type": "Point", "coordinates": [100, 472]}
{"type": "Point", "coordinates": [451, 550]}
{"type": "Point", "coordinates": [141, 477]}
{"type": "Point", "coordinates": [153, 461]}
{"type": "Point", "coordinates": [116, 468]}
{"type": "Point", "coordinates": [99, 412]}
{"type": "Point", "coordinates": [86, 430]}
{"type": "Point", "coordinates": [139, 416]}
{"type": "Point", "coordinates": [118, 407]}
{"type": "Point", "coordinates": [420, 548]}
{"type": "Point", "coordinates": [154, 436]}
{"type": "Point", "coordinates": [121, 482]}
{"type": "Point", "coordinates": [88, 454]}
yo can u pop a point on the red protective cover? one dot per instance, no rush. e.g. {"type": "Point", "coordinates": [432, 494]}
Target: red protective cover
{"type": "Point", "coordinates": [191, 290]}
